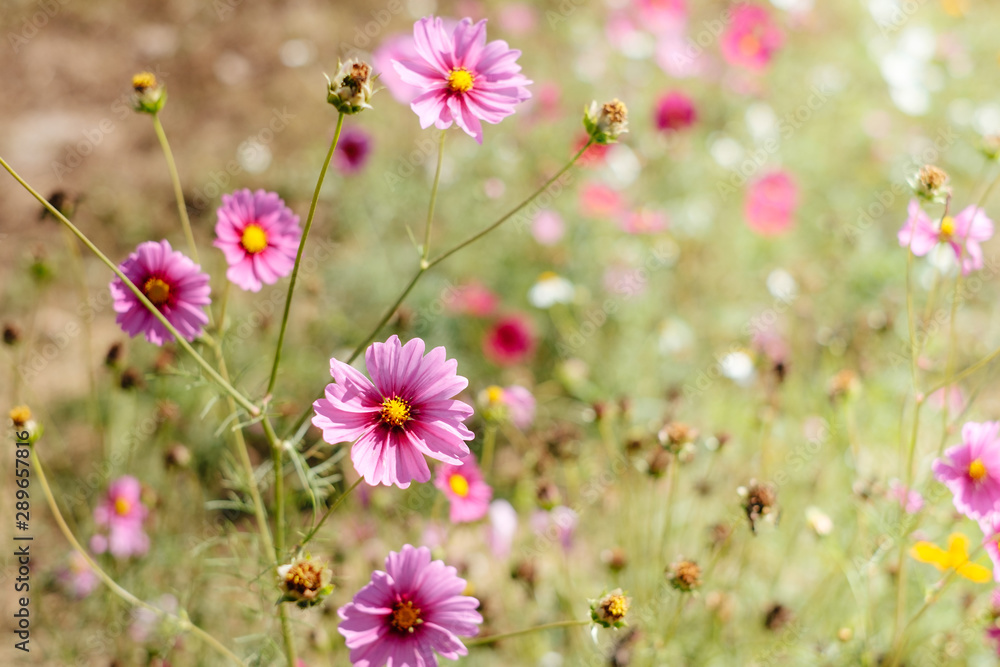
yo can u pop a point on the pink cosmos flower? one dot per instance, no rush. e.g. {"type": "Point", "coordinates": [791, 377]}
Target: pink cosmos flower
{"type": "Point", "coordinates": [502, 529]}
{"type": "Point", "coordinates": [954, 396]}
{"type": "Point", "coordinates": [353, 149]}
{"type": "Point", "coordinates": [751, 39]}
{"type": "Point", "coordinates": [520, 405]}
{"type": "Point", "coordinates": [595, 156]}
{"type": "Point", "coordinates": [468, 494]}
{"type": "Point", "coordinates": [518, 18]}
{"type": "Point", "coordinates": [395, 47]}
{"type": "Point", "coordinates": [121, 513]}
{"type": "Point", "coordinates": [409, 611]}
{"type": "Point", "coordinates": [510, 341]}
{"type": "Point", "coordinates": [674, 111]}
{"type": "Point", "coordinates": [548, 227]}
{"type": "Point", "coordinates": [172, 282]}
{"type": "Point", "coordinates": [911, 501]}
{"type": "Point", "coordinates": [972, 470]}
{"type": "Point", "coordinates": [771, 202]}
{"type": "Point", "coordinates": [405, 415]}
{"type": "Point", "coordinates": [76, 578]}
{"type": "Point", "coordinates": [968, 228]}
{"type": "Point", "coordinates": [600, 201]}
{"type": "Point", "coordinates": [643, 221]}
{"type": "Point", "coordinates": [462, 78]}
{"type": "Point", "coordinates": [474, 299]}
{"type": "Point", "coordinates": [559, 524]}
{"type": "Point", "coordinates": [259, 236]}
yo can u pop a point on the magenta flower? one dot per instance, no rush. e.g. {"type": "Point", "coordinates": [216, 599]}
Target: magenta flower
{"type": "Point", "coordinates": [467, 493]}
{"type": "Point", "coordinates": [259, 236]}
{"type": "Point", "coordinates": [675, 111]}
{"type": "Point", "coordinates": [771, 202]}
{"type": "Point", "coordinates": [462, 78]}
{"type": "Point", "coordinates": [405, 415]}
{"type": "Point", "coordinates": [972, 470]}
{"type": "Point", "coordinates": [751, 39]}
{"type": "Point", "coordinates": [968, 228]}
{"type": "Point", "coordinates": [353, 149]}
{"type": "Point", "coordinates": [121, 513]}
{"type": "Point", "coordinates": [510, 341]}
{"type": "Point", "coordinates": [172, 282]}
{"type": "Point", "coordinates": [408, 612]}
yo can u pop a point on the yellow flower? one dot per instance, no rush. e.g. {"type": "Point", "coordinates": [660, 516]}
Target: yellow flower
{"type": "Point", "coordinates": [955, 558]}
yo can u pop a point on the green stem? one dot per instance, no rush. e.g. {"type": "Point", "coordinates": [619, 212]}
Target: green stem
{"type": "Point", "coordinates": [178, 192]}
{"type": "Point", "coordinates": [481, 641]}
{"type": "Point", "coordinates": [183, 623]}
{"type": "Point", "coordinates": [298, 255]}
{"type": "Point", "coordinates": [332, 508]}
{"type": "Point", "coordinates": [211, 372]}
{"type": "Point", "coordinates": [278, 459]}
{"type": "Point", "coordinates": [475, 237]}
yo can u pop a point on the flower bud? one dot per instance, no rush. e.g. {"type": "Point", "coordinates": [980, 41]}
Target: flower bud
{"type": "Point", "coordinates": [305, 582]}
{"type": "Point", "coordinates": [684, 575]}
{"type": "Point", "coordinates": [930, 184]}
{"type": "Point", "coordinates": [604, 123]}
{"type": "Point", "coordinates": [149, 96]}
{"type": "Point", "coordinates": [351, 88]}
{"type": "Point", "coordinates": [610, 610]}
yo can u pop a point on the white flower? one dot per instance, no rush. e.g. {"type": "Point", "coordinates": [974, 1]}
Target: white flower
{"type": "Point", "coordinates": [551, 289]}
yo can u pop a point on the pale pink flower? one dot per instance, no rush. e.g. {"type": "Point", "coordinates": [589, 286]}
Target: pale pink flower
{"type": "Point", "coordinates": [467, 492]}
{"type": "Point", "coordinates": [548, 227]}
{"type": "Point", "coordinates": [972, 470]}
{"type": "Point", "coordinates": [771, 203]}
{"type": "Point", "coordinates": [502, 529]}
{"type": "Point", "coordinates": [600, 201]}
{"type": "Point", "coordinates": [955, 399]}
{"type": "Point", "coordinates": [558, 525]}
{"type": "Point", "coordinates": [464, 79]}
{"type": "Point", "coordinates": [409, 611]}
{"type": "Point", "coordinates": [643, 221]}
{"type": "Point", "coordinates": [404, 413]}
{"type": "Point", "coordinates": [991, 541]}
{"type": "Point", "coordinates": [910, 500]}
{"type": "Point", "coordinates": [121, 514]}
{"type": "Point", "coordinates": [963, 233]}
{"type": "Point", "coordinates": [77, 578]}
{"type": "Point", "coordinates": [518, 18]}
{"type": "Point", "coordinates": [259, 236]}
{"type": "Point", "coordinates": [474, 299]}
{"type": "Point", "coordinates": [173, 283]}
{"type": "Point", "coordinates": [752, 38]}
{"type": "Point", "coordinates": [520, 404]}
{"type": "Point", "coordinates": [396, 47]}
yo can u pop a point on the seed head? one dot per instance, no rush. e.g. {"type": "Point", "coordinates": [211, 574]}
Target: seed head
{"type": "Point", "coordinates": [148, 94]}
{"type": "Point", "coordinates": [350, 90]}
{"type": "Point", "coordinates": [305, 582]}
{"type": "Point", "coordinates": [606, 122]}
{"type": "Point", "coordinates": [684, 575]}
{"type": "Point", "coordinates": [610, 610]}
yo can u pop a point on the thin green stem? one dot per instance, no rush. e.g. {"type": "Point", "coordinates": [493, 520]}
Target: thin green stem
{"type": "Point", "coordinates": [315, 529]}
{"type": "Point", "coordinates": [211, 372]}
{"type": "Point", "coordinates": [426, 251]}
{"type": "Point", "coordinates": [182, 622]}
{"type": "Point", "coordinates": [298, 255]}
{"type": "Point", "coordinates": [178, 191]}
{"type": "Point", "coordinates": [277, 457]}
{"type": "Point", "coordinates": [475, 237]}
{"type": "Point", "coordinates": [481, 641]}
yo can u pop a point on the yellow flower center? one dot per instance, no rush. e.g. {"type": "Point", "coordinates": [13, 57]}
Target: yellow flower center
{"type": "Point", "coordinates": [977, 470]}
{"type": "Point", "coordinates": [20, 415]}
{"type": "Point", "coordinates": [749, 45]}
{"type": "Point", "coordinates": [615, 607]}
{"type": "Point", "coordinates": [157, 291]}
{"type": "Point", "coordinates": [459, 485]}
{"type": "Point", "coordinates": [405, 617]}
{"type": "Point", "coordinates": [143, 81]}
{"type": "Point", "coordinates": [460, 80]}
{"type": "Point", "coordinates": [494, 394]}
{"type": "Point", "coordinates": [122, 507]}
{"type": "Point", "coordinates": [947, 226]}
{"type": "Point", "coordinates": [254, 239]}
{"type": "Point", "coordinates": [395, 411]}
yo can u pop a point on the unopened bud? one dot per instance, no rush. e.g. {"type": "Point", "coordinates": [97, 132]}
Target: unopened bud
{"type": "Point", "coordinates": [350, 90]}
{"type": "Point", "coordinates": [605, 122]}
